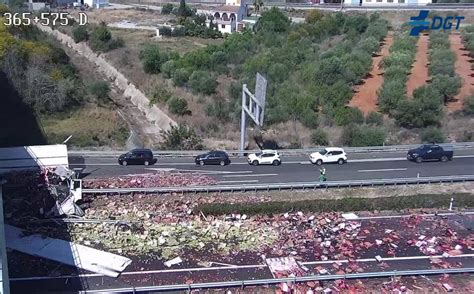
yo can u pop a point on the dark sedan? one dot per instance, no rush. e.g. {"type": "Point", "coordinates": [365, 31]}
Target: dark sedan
{"type": "Point", "coordinates": [213, 157]}
{"type": "Point", "coordinates": [137, 156]}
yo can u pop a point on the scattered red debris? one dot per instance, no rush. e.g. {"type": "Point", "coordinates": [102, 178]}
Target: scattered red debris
{"type": "Point", "coordinates": [149, 181]}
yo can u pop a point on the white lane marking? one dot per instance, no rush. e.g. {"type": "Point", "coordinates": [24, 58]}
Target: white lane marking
{"type": "Point", "coordinates": [243, 181]}
{"type": "Point", "coordinates": [380, 170]}
{"type": "Point", "coordinates": [377, 159]}
{"type": "Point", "coordinates": [252, 175]}
{"type": "Point", "coordinates": [409, 215]}
{"type": "Point", "coordinates": [161, 169]}
{"type": "Point", "coordinates": [200, 269]}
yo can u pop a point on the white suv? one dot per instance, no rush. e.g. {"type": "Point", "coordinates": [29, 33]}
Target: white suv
{"type": "Point", "coordinates": [264, 157]}
{"type": "Point", "coordinates": [328, 155]}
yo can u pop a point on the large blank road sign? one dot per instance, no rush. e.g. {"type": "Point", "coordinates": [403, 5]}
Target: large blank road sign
{"type": "Point", "coordinates": [253, 105]}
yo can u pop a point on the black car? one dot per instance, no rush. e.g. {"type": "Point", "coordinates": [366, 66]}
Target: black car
{"type": "Point", "coordinates": [137, 156]}
{"type": "Point", "coordinates": [430, 152]}
{"type": "Point", "coordinates": [213, 157]}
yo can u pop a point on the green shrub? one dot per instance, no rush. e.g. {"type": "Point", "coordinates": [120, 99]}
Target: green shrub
{"type": "Point", "coordinates": [180, 77]}
{"type": "Point", "coordinates": [100, 90]}
{"type": "Point", "coordinates": [359, 136]}
{"type": "Point", "coordinates": [101, 39]}
{"type": "Point", "coordinates": [374, 118]}
{"type": "Point", "coordinates": [446, 85]}
{"type": "Point", "coordinates": [426, 109]}
{"type": "Point", "coordinates": [178, 106]}
{"type": "Point", "coordinates": [159, 94]}
{"type": "Point", "coordinates": [314, 16]}
{"type": "Point", "coordinates": [402, 59]}
{"type": "Point", "coordinates": [432, 135]}
{"type": "Point", "coordinates": [309, 118]}
{"type": "Point", "coordinates": [342, 205]}
{"type": "Point", "coordinates": [167, 8]}
{"type": "Point", "coordinates": [168, 67]}
{"type": "Point", "coordinates": [273, 20]}
{"type": "Point", "coordinates": [469, 105]}
{"type": "Point", "coordinates": [319, 137]}
{"type": "Point", "coordinates": [370, 44]}
{"type": "Point", "coordinates": [165, 31]}
{"type": "Point", "coordinates": [203, 82]}
{"type": "Point", "coordinates": [390, 95]}
{"type": "Point", "coordinates": [348, 115]}
{"type": "Point", "coordinates": [218, 109]}
{"type": "Point", "coordinates": [152, 58]}
{"type": "Point", "coordinates": [396, 72]}
{"type": "Point", "coordinates": [79, 34]}
{"type": "Point", "coordinates": [180, 137]}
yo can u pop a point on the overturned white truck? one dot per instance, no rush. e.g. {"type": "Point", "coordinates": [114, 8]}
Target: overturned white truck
{"type": "Point", "coordinates": [51, 162]}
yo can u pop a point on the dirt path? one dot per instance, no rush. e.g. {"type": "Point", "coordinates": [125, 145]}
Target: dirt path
{"type": "Point", "coordinates": [366, 94]}
{"type": "Point", "coordinates": [463, 69]}
{"type": "Point", "coordinates": [419, 72]}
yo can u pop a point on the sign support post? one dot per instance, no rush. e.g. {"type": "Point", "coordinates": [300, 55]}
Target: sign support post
{"type": "Point", "coordinates": [254, 106]}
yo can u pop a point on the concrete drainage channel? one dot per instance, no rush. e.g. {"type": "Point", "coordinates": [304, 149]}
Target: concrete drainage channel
{"type": "Point", "coordinates": [284, 186]}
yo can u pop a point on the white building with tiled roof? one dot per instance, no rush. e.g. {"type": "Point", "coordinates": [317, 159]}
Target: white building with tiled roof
{"type": "Point", "coordinates": [227, 17]}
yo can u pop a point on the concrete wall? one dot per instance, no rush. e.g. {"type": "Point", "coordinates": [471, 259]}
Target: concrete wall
{"type": "Point", "coordinates": [32, 157]}
{"type": "Point", "coordinates": [130, 91]}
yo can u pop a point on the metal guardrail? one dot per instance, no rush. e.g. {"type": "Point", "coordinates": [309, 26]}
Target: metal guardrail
{"type": "Point", "coordinates": [192, 153]}
{"type": "Point", "coordinates": [284, 186]}
{"type": "Point", "coordinates": [245, 283]}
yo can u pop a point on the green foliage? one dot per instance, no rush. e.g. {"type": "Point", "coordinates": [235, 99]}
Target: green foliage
{"type": "Point", "coordinates": [178, 106]}
{"type": "Point", "coordinates": [79, 34]}
{"type": "Point", "coordinates": [101, 39]}
{"type": "Point", "coordinates": [348, 115]}
{"type": "Point", "coordinates": [319, 137]}
{"type": "Point", "coordinates": [180, 137]}
{"type": "Point", "coordinates": [374, 118]}
{"type": "Point", "coordinates": [202, 82]}
{"type": "Point", "coordinates": [100, 90]}
{"type": "Point", "coordinates": [167, 8]}
{"type": "Point", "coordinates": [180, 77]}
{"type": "Point", "coordinates": [314, 16]}
{"type": "Point", "coordinates": [357, 136]}
{"type": "Point", "coordinates": [391, 94]}
{"type": "Point", "coordinates": [446, 85]}
{"type": "Point", "coordinates": [331, 205]}
{"type": "Point", "coordinates": [159, 94]}
{"type": "Point", "coordinates": [369, 44]}
{"type": "Point", "coordinates": [152, 58]}
{"type": "Point", "coordinates": [218, 109]}
{"type": "Point", "coordinates": [184, 10]}
{"type": "Point", "coordinates": [426, 109]}
{"type": "Point", "coordinates": [432, 135]}
{"type": "Point", "coordinates": [469, 105]}
{"type": "Point", "coordinates": [273, 20]}
{"type": "Point", "coordinates": [168, 67]}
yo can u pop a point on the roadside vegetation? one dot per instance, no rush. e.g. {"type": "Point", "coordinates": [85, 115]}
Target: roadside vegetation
{"type": "Point", "coordinates": [308, 83]}
{"type": "Point", "coordinates": [46, 80]}
{"type": "Point", "coordinates": [397, 68]}
{"type": "Point", "coordinates": [330, 205]}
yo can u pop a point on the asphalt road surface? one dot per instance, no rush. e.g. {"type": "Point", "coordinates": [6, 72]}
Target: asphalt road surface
{"type": "Point", "coordinates": [293, 168]}
{"type": "Point", "coordinates": [235, 268]}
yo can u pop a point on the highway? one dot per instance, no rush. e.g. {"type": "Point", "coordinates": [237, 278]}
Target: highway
{"type": "Point", "coordinates": [377, 165]}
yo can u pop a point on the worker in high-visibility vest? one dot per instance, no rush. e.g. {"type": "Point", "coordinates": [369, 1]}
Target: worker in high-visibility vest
{"type": "Point", "coordinates": [322, 177]}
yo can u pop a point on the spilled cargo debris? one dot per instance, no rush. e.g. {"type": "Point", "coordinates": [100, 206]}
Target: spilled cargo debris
{"type": "Point", "coordinates": [150, 181]}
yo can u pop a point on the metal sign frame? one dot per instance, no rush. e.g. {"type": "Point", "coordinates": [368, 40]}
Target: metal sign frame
{"type": "Point", "coordinates": [253, 106]}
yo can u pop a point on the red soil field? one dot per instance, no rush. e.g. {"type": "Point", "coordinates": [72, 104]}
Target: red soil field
{"type": "Point", "coordinates": [463, 69]}
{"type": "Point", "coordinates": [419, 72]}
{"type": "Point", "coordinates": [366, 94]}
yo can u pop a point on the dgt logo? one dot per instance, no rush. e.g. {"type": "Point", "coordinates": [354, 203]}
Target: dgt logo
{"type": "Point", "coordinates": [420, 23]}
